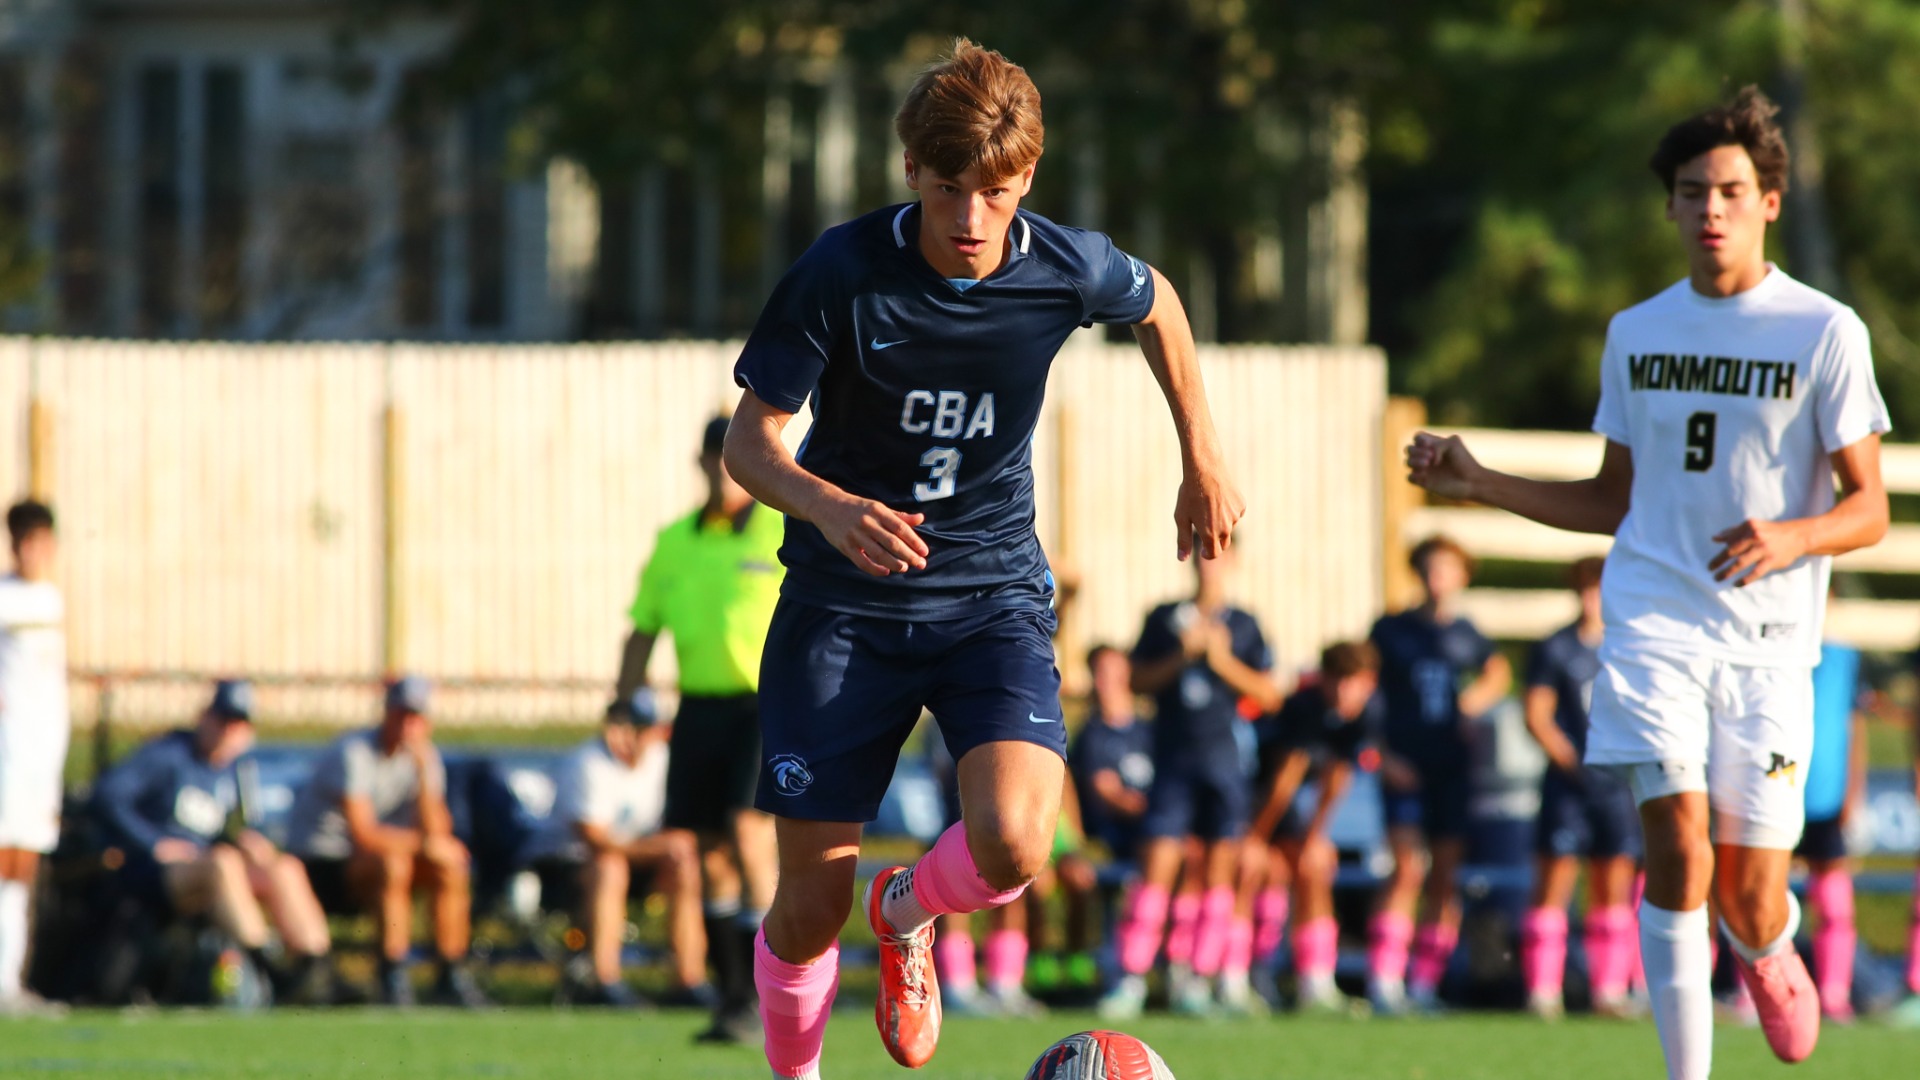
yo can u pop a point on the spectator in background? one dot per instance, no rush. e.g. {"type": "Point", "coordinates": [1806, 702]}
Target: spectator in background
{"type": "Point", "coordinates": [1584, 811]}
{"type": "Point", "coordinates": [604, 838]}
{"type": "Point", "coordinates": [1437, 673]}
{"type": "Point", "coordinates": [712, 582]}
{"type": "Point", "coordinates": [33, 736]}
{"type": "Point", "coordinates": [1112, 758]}
{"type": "Point", "coordinates": [174, 809]}
{"type": "Point", "coordinates": [1836, 786]}
{"type": "Point", "coordinates": [372, 826]}
{"type": "Point", "coordinates": [1322, 733]}
{"type": "Point", "coordinates": [1199, 658]}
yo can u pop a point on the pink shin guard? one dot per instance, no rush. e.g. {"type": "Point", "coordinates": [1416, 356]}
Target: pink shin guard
{"type": "Point", "coordinates": [1186, 920]}
{"type": "Point", "coordinates": [1216, 925]}
{"type": "Point", "coordinates": [1316, 948]}
{"type": "Point", "coordinates": [1913, 940]}
{"type": "Point", "coordinates": [953, 958]}
{"type": "Point", "coordinates": [1831, 894]}
{"type": "Point", "coordinates": [1387, 940]}
{"type": "Point", "coordinates": [795, 1001]}
{"type": "Point", "coordinates": [1613, 950]}
{"type": "Point", "coordinates": [946, 881]}
{"type": "Point", "coordinates": [1270, 923]}
{"type": "Point", "coordinates": [1140, 931]}
{"type": "Point", "coordinates": [1432, 948]}
{"type": "Point", "coordinates": [1543, 949]}
{"type": "Point", "coordinates": [1006, 959]}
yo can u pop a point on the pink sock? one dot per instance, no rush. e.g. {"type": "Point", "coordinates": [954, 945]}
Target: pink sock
{"type": "Point", "coordinates": [1139, 937]}
{"type": "Point", "coordinates": [1006, 959]}
{"type": "Point", "coordinates": [795, 1000]}
{"type": "Point", "coordinates": [946, 881]}
{"type": "Point", "coordinates": [1613, 938]}
{"type": "Point", "coordinates": [1237, 960]}
{"type": "Point", "coordinates": [1387, 941]}
{"type": "Point", "coordinates": [1543, 950]}
{"type": "Point", "coordinates": [1270, 919]}
{"type": "Point", "coordinates": [1216, 923]}
{"type": "Point", "coordinates": [1913, 941]}
{"type": "Point", "coordinates": [1316, 948]}
{"type": "Point", "coordinates": [1833, 944]}
{"type": "Point", "coordinates": [1186, 918]}
{"type": "Point", "coordinates": [953, 958]}
{"type": "Point", "coordinates": [1432, 948]}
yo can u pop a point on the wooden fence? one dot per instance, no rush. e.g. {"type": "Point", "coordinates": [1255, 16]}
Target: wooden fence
{"type": "Point", "coordinates": [317, 515]}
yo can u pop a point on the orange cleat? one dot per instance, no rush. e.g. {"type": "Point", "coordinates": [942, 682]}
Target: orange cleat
{"type": "Point", "coordinates": [1789, 1006]}
{"type": "Point", "coordinates": [908, 1009]}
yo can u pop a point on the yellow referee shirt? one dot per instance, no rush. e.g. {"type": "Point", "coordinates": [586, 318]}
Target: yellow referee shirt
{"type": "Point", "coordinates": [713, 588]}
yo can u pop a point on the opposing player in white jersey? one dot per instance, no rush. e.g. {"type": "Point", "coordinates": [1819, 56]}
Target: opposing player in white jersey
{"type": "Point", "coordinates": [33, 734]}
{"type": "Point", "coordinates": [1731, 404]}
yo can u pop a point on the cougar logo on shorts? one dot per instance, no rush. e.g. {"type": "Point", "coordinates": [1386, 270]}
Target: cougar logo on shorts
{"type": "Point", "coordinates": [790, 774]}
{"type": "Point", "coordinates": [1781, 768]}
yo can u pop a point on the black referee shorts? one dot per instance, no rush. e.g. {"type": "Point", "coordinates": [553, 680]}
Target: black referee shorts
{"type": "Point", "coordinates": [714, 766]}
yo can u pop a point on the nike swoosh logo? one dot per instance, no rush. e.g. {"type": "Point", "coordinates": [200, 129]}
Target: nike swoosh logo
{"type": "Point", "coordinates": [1032, 719]}
{"type": "Point", "coordinates": [876, 344]}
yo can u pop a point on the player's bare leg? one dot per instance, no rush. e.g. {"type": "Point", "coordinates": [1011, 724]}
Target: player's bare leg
{"type": "Point", "coordinates": [1439, 931]}
{"type": "Point", "coordinates": [1391, 933]}
{"type": "Point", "coordinates": [796, 957]}
{"type": "Point", "coordinates": [1675, 936]}
{"type": "Point", "coordinates": [1761, 917]}
{"type": "Point", "coordinates": [1543, 935]}
{"type": "Point", "coordinates": [18, 869]}
{"type": "Point", "coordinates": [1612, 934]}
{"type": "Point", "coordinates": [1830, 894]}
{"type": "Point", "coordinates": [604, 880]}
{"type": "Point", "coordinates": [1144, 924]}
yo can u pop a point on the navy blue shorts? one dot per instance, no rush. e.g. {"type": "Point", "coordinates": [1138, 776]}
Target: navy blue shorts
{"type": "Point", "coordinates": [840, 693]}
{"type": "Point", "coordinates": [1824, 840]}
{"type": "Point", "coordinates": [1588, 814]}
{"type": "Point", "coordinates": [1439, 809]}
{"type": "Point", "coordinates": [1212, 804]}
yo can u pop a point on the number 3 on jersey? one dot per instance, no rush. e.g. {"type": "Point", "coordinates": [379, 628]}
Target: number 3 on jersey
{"type": "Point", "coordinates": [945, 462]}
{"type": "Point", "coordinates": [1700, 430]}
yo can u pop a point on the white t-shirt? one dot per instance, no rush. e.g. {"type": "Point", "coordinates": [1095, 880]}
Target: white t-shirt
{"type": "Point", "coordinates": [34, 722]}
{"type": "Point", "coordinates": [1731, 408]}
{"type": "Point", "coordinates": [597, 788]}
{"type": "Point", "coordinates": [354, 766]}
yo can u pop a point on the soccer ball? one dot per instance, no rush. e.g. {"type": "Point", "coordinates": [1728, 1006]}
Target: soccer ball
{"type": "Point", "coordinates": [1099, 1055]}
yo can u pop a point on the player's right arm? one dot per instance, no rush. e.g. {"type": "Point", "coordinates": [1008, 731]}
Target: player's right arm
{"type": "Point", "coordinates": [1541, 703]}
{"type": "Point", "coordinates": [119, 799]}
{"type": "Point", "coordinates": [1286, 782]}
{"type": "Point", "coordinates": [1120, 799]}
{"type": "Point", "coordinates": [1444, 466]}
{"type": "Point", "coordinates": [872, 535]}
{"type": "Point", "coordinates": [1208, 505]}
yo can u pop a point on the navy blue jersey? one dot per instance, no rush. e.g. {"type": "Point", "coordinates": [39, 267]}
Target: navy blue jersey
{"type": "Point", "coordinates": [1308, 722]}
{"type": "Point", "coordinates": [1196, 714]}
{"type": "Point", "coordinates": [166, 790]}
{"type": "Point", "coordinates": [1423, 667]}
{"type": "Point", "coordinates": [925, 398]}
{"type": "Point", "coordinates": [1128, 751]}
{"type": "Point", "coordinates": [1567, 666]}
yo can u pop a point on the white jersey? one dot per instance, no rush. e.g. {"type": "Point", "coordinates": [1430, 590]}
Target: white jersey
{"type": "Point", "coordinates": [33, 678]}
{"type": "Point", "coordinates": [1731, 408]}
{"type": "Point", "coordinates": [597, 788]}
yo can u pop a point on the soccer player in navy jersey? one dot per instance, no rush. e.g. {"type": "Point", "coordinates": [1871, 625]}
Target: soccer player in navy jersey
{"type": "Point", "coordinates": [1199, 658]}
{"type": "Point", "coordinates": [1437, 673]}
{"type": "Point", "coordinates": [1584, 812]}
{"type": "Point", "coordinates": [921, 335]}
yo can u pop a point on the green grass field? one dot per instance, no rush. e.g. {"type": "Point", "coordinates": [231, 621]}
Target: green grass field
{"type": "Point", "coordinates": [534, 1043]}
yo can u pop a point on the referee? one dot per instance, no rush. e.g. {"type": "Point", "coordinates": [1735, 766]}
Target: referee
{"type": "Point", "coordinates": [711, 583]}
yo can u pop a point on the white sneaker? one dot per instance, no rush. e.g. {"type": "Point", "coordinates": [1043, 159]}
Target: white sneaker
{"type": "Point", "coordinates": [1193, 999]}
{"type": "Point", "coordinates": [1237, 998]}
{"type": "Point", "coordinates": [29, 1005]}
{"type": "Point", "coordinates": [1015, 1001]}
{"type": "Point", "coordinates": [1126, 1000]}
{"type": "Point", "coordinates": [1387, 997]}
{"type": "Point", "coordinates": [1546, 1005]}
{"type": "Point", "coordinates": [1320, 997]}
{"type": "Point", "coordinates": [967, 1001]}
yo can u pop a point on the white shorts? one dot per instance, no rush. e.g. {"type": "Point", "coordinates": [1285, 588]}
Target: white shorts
{"type": "Point", "coordinates": [30, 809]}
{"type": "Point", "coordinates": [1741, 734]}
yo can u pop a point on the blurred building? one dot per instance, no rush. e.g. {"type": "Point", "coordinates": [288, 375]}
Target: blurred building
{"type": "Point", "coordinates": [241, 169]}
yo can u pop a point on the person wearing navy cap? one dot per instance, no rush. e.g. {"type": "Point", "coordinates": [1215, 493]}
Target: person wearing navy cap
{"type": "Point", "coordinates": [173, 811]}
{"type": "Point", "coordinates": [373, 827]}
{"type": "Point", "coordinates": [604, 844]}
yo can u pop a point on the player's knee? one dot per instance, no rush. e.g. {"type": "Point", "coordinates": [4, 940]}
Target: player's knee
{"type": "Point", "coordinates": [1007, 854]}
{"type": "Point", "coordinates": [806, 917]}
{"type": "Point", "coordinates": [227, 861]}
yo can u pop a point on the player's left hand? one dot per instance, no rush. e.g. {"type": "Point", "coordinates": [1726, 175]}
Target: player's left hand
{"type": "Point", "coordinates": [1205, 512]}
{"type": "Point", "coordinates": [1753, 549]}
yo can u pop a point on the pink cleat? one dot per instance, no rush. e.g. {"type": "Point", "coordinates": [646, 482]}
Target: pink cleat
{"type": "Point", "coordinates": [1788, 1004]}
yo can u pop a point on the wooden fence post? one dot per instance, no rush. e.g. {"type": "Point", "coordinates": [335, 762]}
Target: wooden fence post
{"type": "Point", "coordinates": [393, 475]}
{"type": "Point", "coordinates": [1070, 641]}
{"type": "Point", "coordinates": [40, 433]}
{"type": "Point", "coordinates": [1398, 500]}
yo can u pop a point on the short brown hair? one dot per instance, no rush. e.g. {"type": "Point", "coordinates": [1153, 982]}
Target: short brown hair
{"type": "Point", "coordinates": [975, 107]}
{"type": "Point", "coordinates": [1345, 659]}
{"type": "Point", "coordinates": [1746, 121]}
{"type": "Point", "coordinates": [1425, 549]}
{"type": "Point", "coordinates": [1584, 574]}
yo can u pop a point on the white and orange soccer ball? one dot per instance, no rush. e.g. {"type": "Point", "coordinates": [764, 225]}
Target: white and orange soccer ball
{"type": "Point", "coordinates": [1099, 1055]}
